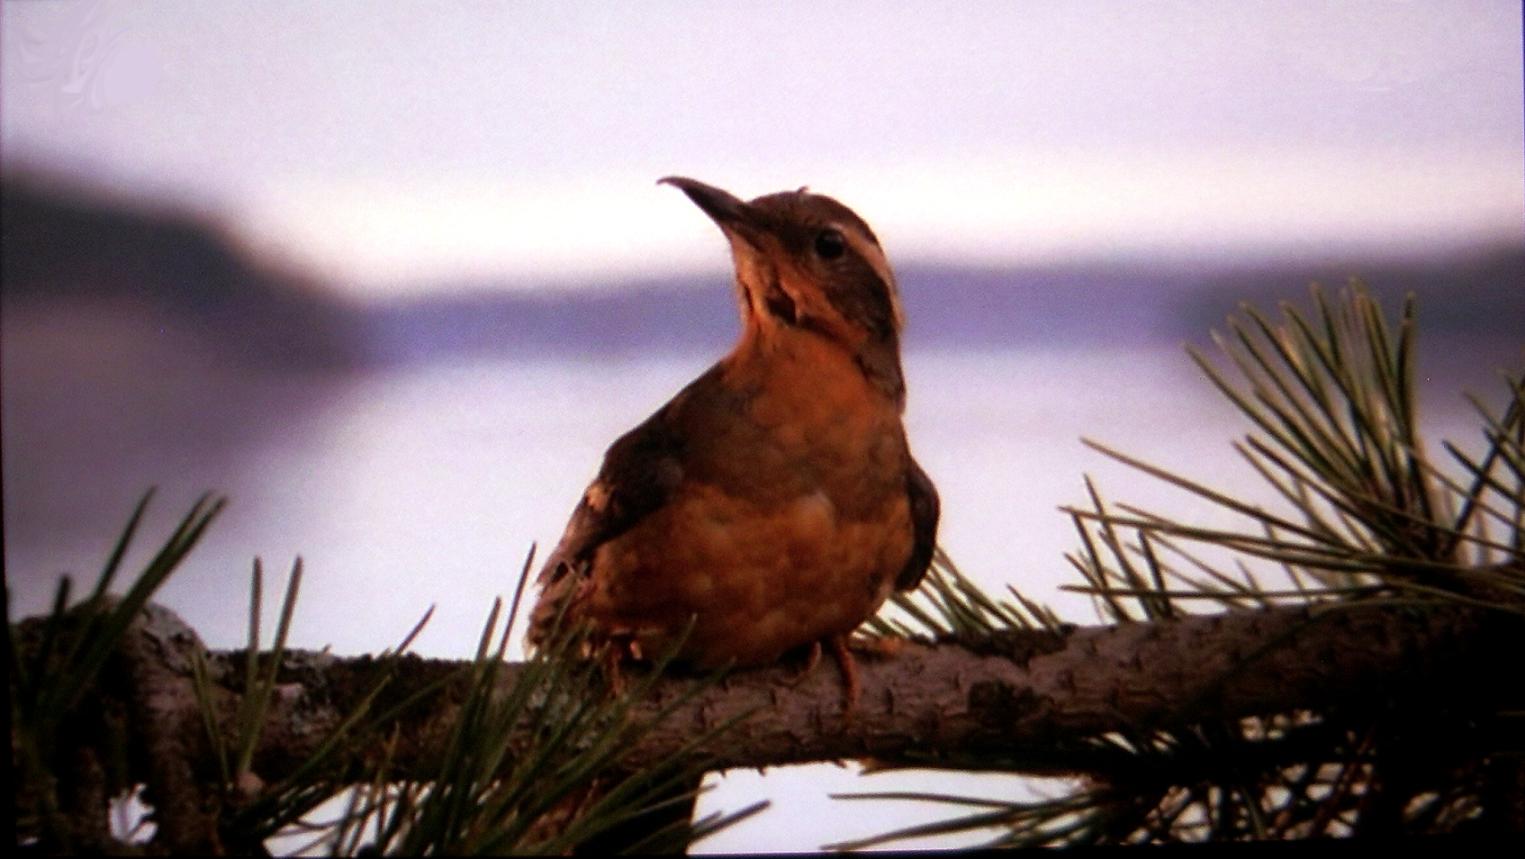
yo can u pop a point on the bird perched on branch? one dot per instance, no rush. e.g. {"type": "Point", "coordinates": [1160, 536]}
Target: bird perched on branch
{"type": "Point", "coordinates": [773, 504]}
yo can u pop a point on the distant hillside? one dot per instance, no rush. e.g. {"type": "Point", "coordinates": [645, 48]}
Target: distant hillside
{"type": "Point", "coordinates": [1479, 294]}
{"type": "Point", "coordinates": [948, 308]}
{"type": "Point", "coordinates": [75, 248]}
{"type": "Point", "coordinates": [58, 249]}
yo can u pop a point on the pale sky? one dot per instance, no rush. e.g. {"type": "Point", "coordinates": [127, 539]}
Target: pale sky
{"type": "Point", "coordinates": [393, 146]}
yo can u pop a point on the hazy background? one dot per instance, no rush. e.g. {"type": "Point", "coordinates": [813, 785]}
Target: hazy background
{"type": "Point", "coordinates": [392, 276]}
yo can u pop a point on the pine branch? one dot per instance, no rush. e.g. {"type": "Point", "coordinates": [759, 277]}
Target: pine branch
{"type": "Point", "coordinates": [1022, 694]}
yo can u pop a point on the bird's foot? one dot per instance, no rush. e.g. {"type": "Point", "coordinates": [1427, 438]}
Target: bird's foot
{"type": "Point", "coordinates": [851, 687]}
{"type": "Point", "coordinates": [612, 658]}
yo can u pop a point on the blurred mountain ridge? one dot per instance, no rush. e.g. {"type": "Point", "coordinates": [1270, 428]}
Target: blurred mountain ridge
{"type": "Point", "coordinates": [160, 266]}
{"type": "Point", "coordinates": [189, 273]}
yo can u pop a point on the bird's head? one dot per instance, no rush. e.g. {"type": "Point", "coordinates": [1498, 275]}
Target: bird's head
{"type": "Point", "coordinates": [806, 262]}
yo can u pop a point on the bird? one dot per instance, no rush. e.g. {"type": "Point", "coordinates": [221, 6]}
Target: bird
{"type": "Point", "coordinates": [773, 504]}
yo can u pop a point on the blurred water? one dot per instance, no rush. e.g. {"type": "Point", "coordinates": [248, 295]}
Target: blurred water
{"type": "Point", "coordinates": [427, 485]}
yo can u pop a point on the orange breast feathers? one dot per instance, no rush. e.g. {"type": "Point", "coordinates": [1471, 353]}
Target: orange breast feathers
{"type": "Point", "coordinates": [789, 526]}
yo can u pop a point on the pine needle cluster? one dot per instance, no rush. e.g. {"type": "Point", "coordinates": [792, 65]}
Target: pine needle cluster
{"type": "Point", "coordinates": [1367, 518]}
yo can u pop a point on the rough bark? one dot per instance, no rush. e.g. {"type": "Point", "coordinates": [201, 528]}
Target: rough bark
{"type": "Point", "coordinates": [1019, 695]}
{"type": "Point", "coordinates": [167, 728]}
{"type": "Point", "coordinates": [1011, 693]}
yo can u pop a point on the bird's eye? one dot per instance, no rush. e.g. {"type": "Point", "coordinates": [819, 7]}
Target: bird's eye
{"type": "Point", "coordinates": [829, 244]}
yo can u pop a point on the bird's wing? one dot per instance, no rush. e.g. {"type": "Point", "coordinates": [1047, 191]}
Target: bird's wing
{"type": "Point", "coordinates": [924, 512]}
{"type": "Point", "coordinates": [641, 471]}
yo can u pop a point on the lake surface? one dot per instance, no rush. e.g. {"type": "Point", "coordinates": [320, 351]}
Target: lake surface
{"type": "Point", "coordinates": [427, 484]}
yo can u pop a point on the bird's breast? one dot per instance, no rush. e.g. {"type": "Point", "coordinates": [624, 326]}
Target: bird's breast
{"type": "Point", "coordinates": [759, 578]}
{"type": "Point", "coordinates": [790, 525]}
{"type": "Point", "coordinates": [808, 420]}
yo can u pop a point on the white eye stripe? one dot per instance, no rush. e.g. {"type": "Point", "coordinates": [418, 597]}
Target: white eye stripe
{"type": "Point", "coordinates": [870, 252]}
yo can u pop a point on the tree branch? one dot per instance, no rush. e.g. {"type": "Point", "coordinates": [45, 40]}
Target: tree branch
{"type": "Point", "coordinates": [1015, 694]}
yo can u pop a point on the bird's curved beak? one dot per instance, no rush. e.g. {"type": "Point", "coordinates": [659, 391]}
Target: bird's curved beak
{"type": "Point", "coordinates": [735, 217]}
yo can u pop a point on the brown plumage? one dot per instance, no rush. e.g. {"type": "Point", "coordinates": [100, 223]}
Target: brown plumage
{"type": "Point", "coordinates": [774, 501]}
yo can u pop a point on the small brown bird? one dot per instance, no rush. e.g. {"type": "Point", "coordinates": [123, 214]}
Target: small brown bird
{"type": "Point", "coordinates": [773, 503]}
